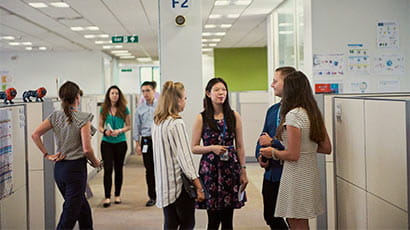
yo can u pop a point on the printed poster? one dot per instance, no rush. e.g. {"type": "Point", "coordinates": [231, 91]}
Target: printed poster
{"type": "Point", "coordinates": [389, 85]}
{"type": "Point", "coordinates": [358, 59]}
{"type": "Point", "coordinates": [389, 64]}
{"type": "Point", "coordinates": [328, 65]}
{"type": "Point", "coordinates": [359, 86]}
{"type": "Point", "coordinates": [387, 35]}
{"type": "Point", "coordinates": [6, 153]}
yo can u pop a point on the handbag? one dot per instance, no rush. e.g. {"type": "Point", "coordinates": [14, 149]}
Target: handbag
{"type": "Point", "coordinates": [189, 186]}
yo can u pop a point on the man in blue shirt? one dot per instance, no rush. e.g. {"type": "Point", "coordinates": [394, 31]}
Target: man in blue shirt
{"type": "Point", "coordinates": [273, 169]}
{"type": "Point", "coordinates": [144, 117]}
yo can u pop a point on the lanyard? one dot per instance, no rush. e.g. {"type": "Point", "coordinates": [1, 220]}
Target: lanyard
{"type": "Point", "coordinates": [222, 135]}
{"type": "Point", "coordinates": [278, 118]}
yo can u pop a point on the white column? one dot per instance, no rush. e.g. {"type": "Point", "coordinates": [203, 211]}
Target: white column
{"type": "Point", "coordinates": [180, 51]}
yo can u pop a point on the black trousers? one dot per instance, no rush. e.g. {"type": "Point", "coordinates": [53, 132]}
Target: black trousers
{"type": "Point", "coordinates": [113, 155]}
{"type": "Point", "coordinates": [180, 214]}
{"type": "Point", "coordinates": [217, 217]}
{"type": "Point", "coordinates": [148, 159]}
{"type": "Point", "coordinates": [71, 180]}
{"type": "Point", "coordinates": [270, 193]}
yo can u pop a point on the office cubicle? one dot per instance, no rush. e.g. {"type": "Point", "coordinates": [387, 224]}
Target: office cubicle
{"type": "Point", "coordinates": [372, 149]}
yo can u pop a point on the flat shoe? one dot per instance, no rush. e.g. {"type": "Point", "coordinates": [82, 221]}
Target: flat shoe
{"type": "Point", "coordinates": [106, 204]}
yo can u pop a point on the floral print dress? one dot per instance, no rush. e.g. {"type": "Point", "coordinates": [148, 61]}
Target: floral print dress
{"type": "Point", "coordinates": [221, 178]}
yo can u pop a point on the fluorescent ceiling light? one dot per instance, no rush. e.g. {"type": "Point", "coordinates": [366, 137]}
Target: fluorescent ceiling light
{"type": "Point", "coordinates": [118, 46]}
{"type": "Point", "coordinates": [215, 40]}
{"type": "Point", "coordinates": [37, 4]}
{"type": "Point", "coordinates": [29, 48]}
{"type": "Point", "coordinates": [232, 16]}
{"type": "Point", "coordinates": [210, 26]}
{"type": "Point", "coordinates": [243, 2]}
{"type": "Point", "coordinates": [77, 28]}
{"type": "Point", "coordinates": [14, 43]}
{"type": "Point", "coordinates": [42, 48]}
{"type": "Point", "coordinates": [206, 49]}
{"type": "Point", "coordinates": [226, 25]}
{"type": "Point", "coordinates": [212, 44]}
{"type": "Point", "coordinates": [92, 28]}
{"type": "Point", "coordinates": [285, 24]}
{"type": "Point", "coordinates": [8, 37]}
{"type": "Point", "coordinates": [27, 43]}
{"type": "Point", "coordinates": [286, 32]}
{"type": "Point", "coordinates": [107, 47]}
{"type": "Point", "coordinates": [215, 16]}
{"type": "Point", "coordinates": [102, 42]}
{"type": "Point", "coordinates": [204, 40]}
{"type": "Point", "coordinates": [59, 4]}
{"type": "Point", "coordinates": [89, 36]}
{"type": "Point", "coordinates": [203, 45]}
{"type": "Point", "coordinates": [144, 59]}
{"type": "Point", "coordinates": [127, 57]}
{"type": "Point", "coordinates": [222, 3]}
{"type": "Point", "coordinates": [122, 54]}
{"type": "Point", "coordinates": [103, 36]}
{"type": "Point", "coordinates": [219, 34]}
{"type": "Point", "coordinates": [119, 51]}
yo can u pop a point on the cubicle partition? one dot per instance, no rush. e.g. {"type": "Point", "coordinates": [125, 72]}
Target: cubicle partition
{"type": "Point", "coordinates": [13, 207]}
{"type": "Point", "coordinates": [371, 142]}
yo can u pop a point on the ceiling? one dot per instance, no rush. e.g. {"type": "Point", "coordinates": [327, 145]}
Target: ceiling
{"type": "Point", "coordinates": [50, 27]}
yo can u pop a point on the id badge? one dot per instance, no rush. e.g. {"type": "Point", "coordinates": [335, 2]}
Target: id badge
{"type": "Point", "coordinates": [144, 148]}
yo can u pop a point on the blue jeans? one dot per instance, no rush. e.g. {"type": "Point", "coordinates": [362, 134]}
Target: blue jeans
{"type": "Point", "coordinates": [71, 179]}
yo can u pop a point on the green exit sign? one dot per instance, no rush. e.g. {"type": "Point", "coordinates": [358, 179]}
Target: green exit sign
{"type": "Point", "coordinates": [126, 70]}
{"type": "Point", "coordinates": [124, 39]}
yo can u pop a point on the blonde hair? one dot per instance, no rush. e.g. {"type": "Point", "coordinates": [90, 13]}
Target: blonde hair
{"type": "Point", "coordinates": [168, 101]}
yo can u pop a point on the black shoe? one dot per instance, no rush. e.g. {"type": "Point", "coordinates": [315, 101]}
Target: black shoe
{"type": "Point", "coordinates": [150, 203]}
{"type": "Point", "coordinates": [106, 204]}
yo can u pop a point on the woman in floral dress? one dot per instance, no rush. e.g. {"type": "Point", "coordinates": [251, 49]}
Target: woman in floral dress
{"type": "Point", "coordinates": [222, 168]}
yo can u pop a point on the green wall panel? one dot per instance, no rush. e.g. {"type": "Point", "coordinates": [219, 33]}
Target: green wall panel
{"type": "Point", "coordinates": [244, 69]}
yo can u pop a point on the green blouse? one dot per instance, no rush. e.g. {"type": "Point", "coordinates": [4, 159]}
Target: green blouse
{"type": "Point", "coordinates": [115, 123]}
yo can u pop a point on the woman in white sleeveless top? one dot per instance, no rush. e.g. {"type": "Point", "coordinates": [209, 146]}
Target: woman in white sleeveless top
{"type": "Point", "coordinates": [303, 133]}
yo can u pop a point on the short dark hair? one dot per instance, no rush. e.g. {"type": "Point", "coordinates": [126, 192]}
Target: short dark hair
{"type": "Point", "coordinates": [285, 70]}
{"type": "Point", "coordinates": [153, 84]}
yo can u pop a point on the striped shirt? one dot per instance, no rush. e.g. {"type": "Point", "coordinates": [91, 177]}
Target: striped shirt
{"type": "Point", "coordinates": [172, 156]}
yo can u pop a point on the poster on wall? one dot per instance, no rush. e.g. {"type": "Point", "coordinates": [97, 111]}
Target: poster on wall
{"type": "Point", "coordinates": [6, 154]}
{"type": "Point", "coordinates": [328, 65]}
{"type": "Point", "coordinates": [389, 64]}
{"type": "Point", "coordinates": [358, 59]}
{"type": "Point", "coordinates": [359, 86]}
{"type": "Point", "coordinates": [324, 88]}
{"type": "Point", "coordinates": [5, 79]}
{"type": "Point", "coordinates": [388, 34]}
{"type": "Point", "coordinates": [389, 85]}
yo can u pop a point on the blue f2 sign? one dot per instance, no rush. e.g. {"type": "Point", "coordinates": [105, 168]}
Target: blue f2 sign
{"type": "Point", "coordinates": [183, 3]}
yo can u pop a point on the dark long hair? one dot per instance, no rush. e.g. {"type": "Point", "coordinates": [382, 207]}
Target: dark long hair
{"type": "Point", "coordinates": [208, 113]}
{"type": "Point", "coordinates": [298, 93]}
{"type": "Point", "coordinates": [68, 93]}
{"type": "Point", "coordinates": [121, 104]}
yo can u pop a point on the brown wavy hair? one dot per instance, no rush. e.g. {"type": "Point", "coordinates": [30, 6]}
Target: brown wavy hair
{"type": "Point", "coordinates": [298, 93]}
{"type": "Point", "coordinates": [121, 104]}
{"type": "Point", "coordinates": [168, 101]}
{"type": "Point", "coordinates": [68, 93]}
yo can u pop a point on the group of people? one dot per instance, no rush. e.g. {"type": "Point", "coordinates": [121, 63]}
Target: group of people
{"type": "Point", "coordinates": [293, 133]}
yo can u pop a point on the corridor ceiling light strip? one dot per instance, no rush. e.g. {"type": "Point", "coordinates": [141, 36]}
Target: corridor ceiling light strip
{"type": "Point", "coordinates": [210, 26]}
{"type": "Point", "coordinates": [205, 34]}
{"type": "Point", "coordinates": [222, 3]}
{"type": "Point", "coordinates": [232, 16]}
{"type": "Point", "coordinates": [119, 51]}
{"type": "Point", "coordinates": [27, 43]}
{"type": "Point", "coordinates": [38, 4]}
{"type": "Point", "coordinates": [29, 48]}
{"type": "Point", "coordinates": [60, 4]}
{"type": "Point", "coordinates": [14, 43]}
{"type": "Point", "coordinates": [219, 34]}
{"type": "Point", "coordinates": [102, 42]}
{"type": "Point", "coordinates": [226, 26]}
{"type": "Point", "coordinates": [77, 28]}
{"type": "Point", "coordinates": [42, 48]}
{"type": "Point", "coordinates": [89, 36]}
{"type": "Point", "coordinates": [215, 40]}
{"type": "Point", "coordinates": [243, 2]}
{"type": "Point", "coordinates": [92, 28]}
{"type": "Point", "coordinates": [144, 59]}
{"type": "Point", "coordinates": [215, 16]}
{"type": "Point", "coordinates": [7, 38]}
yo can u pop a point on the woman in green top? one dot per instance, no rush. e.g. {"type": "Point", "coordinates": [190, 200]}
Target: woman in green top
{"type": "Point", "coordinates": [113, 123]}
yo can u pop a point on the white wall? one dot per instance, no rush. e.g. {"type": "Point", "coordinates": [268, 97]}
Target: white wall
{"type": "Point", "coordinates": [31, 70]}
{"type": "Point", "coordinates": [338, 23]}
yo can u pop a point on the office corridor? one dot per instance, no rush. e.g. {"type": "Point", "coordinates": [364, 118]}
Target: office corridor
{"type": "Point", "coordinates": [132, 213]}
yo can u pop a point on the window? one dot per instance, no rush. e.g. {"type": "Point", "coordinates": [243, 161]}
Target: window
{"type": "Point", "coordinates": [150, 73]}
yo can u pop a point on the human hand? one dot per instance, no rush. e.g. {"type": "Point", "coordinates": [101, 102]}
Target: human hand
{"type": "Point", "coordinates": [244, 180]}
{"type": "Point", "coordinates": [265, 139]}
{"type": "Point", "coordinates": [218, 149]}
{"type": "Point", "coordinates": [261, 163]}
{"type": "Point", "coordinates": [55, 157]}
{"type": "Point", "coordinates": [138, 150]}
{"type": "Point", "coordinates": [200, 195]}
{"type": "Point", "coordinates": [267, 152]}
{"type": "Point", "coordinates": [115, 133]}
{"type": "Point", "coordinates": [108, 132]}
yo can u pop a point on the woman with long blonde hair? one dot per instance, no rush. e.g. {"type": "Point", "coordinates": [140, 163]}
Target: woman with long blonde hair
{"type": "Point", "coordinates": [172, 158]}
